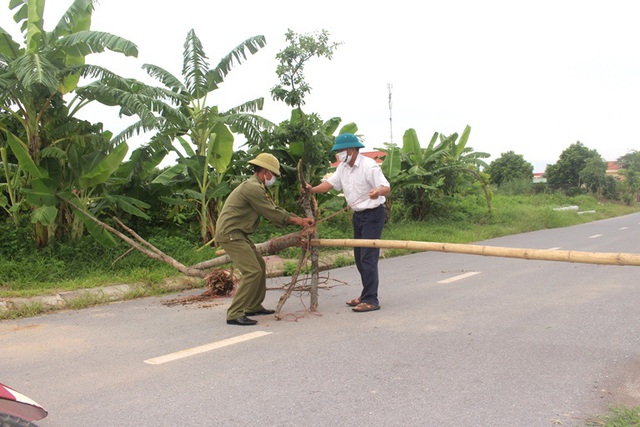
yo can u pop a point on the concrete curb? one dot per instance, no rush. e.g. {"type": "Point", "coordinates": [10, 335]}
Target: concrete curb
{"type": "Point", "coordinates": [107, 293]}
{"type": "Point", "coordinates": [276, 267]}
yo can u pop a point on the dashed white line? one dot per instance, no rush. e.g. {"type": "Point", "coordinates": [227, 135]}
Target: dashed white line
{"type": "Point", "coordinates": [623, 228]}
{"type": "Point", "coordinates": [204, 348]}
{"type": "Point", "coordinates": [555, 248]}
{"type": "Point", "coordinates": [595, 236]}
{"type": "Point", "coordinates": [460, 277]}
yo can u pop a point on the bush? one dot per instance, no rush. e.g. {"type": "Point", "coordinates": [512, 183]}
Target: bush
{"type": "Point", "coordinates": [516, 186]}
{"type": "Point", "coordinates": [15, 241]}
{"type": "Point", "coordinates": [540, 188]}
{"type": "Point", "coordinates": [575, 191]}
{"type": "Point", "coordinates": [611, 190]}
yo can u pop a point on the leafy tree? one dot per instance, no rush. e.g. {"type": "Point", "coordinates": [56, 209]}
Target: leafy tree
{"type": "Point", "coordinates": [301, 48]}
{"type": "Point", "coordinates": [630, 170]}
{"type": "Point", "coordinates": [304, 136]}
{"type": "Point", "coordinates": [508, 167]}
{"type": "Point", "coordinates": [565, 173]}
{"type": "Point", "coordinates": [612, 188]}
{"type": "Point", "coordinates": [56, 156]}
{"type": "Point", "coordinates": [204, 131]}
{"type": "Point", "coordinates": [286, 143]}
{"type": "Point", "coordinates": [305, 139]}
{"type": "Point", "coordinates": [592, 176]}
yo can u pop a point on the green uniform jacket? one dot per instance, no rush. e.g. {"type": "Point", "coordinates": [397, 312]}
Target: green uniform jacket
{"type": "Point", "coordinates": [241, 212]}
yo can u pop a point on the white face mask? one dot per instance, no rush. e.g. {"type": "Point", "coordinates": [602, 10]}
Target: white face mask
{"type": "Point", "coordinates": [269, 182]}
{"type": "Point", "coordinates": [343, 157]}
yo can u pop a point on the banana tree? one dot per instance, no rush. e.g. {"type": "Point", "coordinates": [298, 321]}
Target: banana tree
{"type": "Point", "coordinates": [34, 79]}
{"type": "Point", "coordinates": [36, 76]}
{"type": "Point", "coordinates": [207, 172]}
{"type": "Point", "coordinates": [461, 160]}
{"type": "Point", "coordinates": [204, 132]}
{"type": "Point", "coordinates": [419, 176]}
{"type": "Point", "coordinates": [70, 178]}
{"type": "Point", "coordinates": [10, 188]}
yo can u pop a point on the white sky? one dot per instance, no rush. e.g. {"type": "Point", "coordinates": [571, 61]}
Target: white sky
{"type": "Point", "coordinates": [529, 76]}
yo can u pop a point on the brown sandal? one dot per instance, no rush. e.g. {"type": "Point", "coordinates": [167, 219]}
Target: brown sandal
{"type": "Point", "coordinates": [365, 306]}
{"type": "Point", "coordinates": [353, 302]}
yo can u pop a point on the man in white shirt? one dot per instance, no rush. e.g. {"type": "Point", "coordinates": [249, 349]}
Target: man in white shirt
{"type": "Point", "coordinates": [364, 187]}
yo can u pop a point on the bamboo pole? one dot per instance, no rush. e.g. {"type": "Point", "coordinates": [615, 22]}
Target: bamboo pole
{"type": "Point", "coordinates": [531, 254]}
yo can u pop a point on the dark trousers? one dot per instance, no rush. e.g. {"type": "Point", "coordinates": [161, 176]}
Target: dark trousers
{"type": "Point", "coordinates": [368, 224]}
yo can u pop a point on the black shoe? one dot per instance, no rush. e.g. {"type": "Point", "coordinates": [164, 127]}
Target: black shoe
{"type": "Point", "coordinates": [259, 313]}
{"type": "Point", "coordinates": [243, 321]}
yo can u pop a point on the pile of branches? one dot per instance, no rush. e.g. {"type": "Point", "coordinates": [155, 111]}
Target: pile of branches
{"type": "Point", "coordinates": [220, 283]}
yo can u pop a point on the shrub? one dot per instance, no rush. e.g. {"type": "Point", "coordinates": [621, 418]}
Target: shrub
{"type": "Point", "coordinates": [516, 186]}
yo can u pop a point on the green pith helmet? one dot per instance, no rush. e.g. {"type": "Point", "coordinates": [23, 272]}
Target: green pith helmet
{"type": "Point", "coordinates": [267, 161]}
{"type": "Point", "coordinates": [346, 140]}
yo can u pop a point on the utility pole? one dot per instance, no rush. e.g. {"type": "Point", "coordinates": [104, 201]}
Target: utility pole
{"type": "Point", "coordinates": [390, 86]}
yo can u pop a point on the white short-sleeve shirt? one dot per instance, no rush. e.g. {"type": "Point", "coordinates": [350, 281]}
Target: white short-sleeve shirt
{"type": "Point", "coordinates": [356, 182]}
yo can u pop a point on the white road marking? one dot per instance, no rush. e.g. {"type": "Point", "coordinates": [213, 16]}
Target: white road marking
{"type": "Point", "coordinates": [204, 348]}
{"type": "Point", "coordinates": [595, 235]}
{"type": "Point", "coordinates": [623, 228]}
{"type": "Point", "coordinates": [555, 248]}
{"type": "Point", "coordinates": [461, 276]}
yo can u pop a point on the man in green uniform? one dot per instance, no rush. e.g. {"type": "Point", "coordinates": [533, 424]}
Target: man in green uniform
{"type": "Point", "coordinates": [239, 218]}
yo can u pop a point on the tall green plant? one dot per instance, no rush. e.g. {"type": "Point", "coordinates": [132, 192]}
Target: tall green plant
{"type": "Point", "coordinates": [508, 167]}
{"type": "Point", "coordinates": [204, 132]}
{"type": "Point", "coordinates": [630, 170]}
{"type": "Point", "coordinates": [463, 163]}
{"type": "Point", "coordinates": [419, 176]}
{"type": "Point", "coordinates": [307, 138]}
{"type": "Point", "coordinates": [304, 136]}
{"type": "Point", "coordinates": [34, 79]}
{"type": "Point", "coordinates": [565, 173]}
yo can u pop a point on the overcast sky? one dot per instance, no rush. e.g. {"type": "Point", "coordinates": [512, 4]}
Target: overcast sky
{"type": "Point", "coordinates": [529, 76]}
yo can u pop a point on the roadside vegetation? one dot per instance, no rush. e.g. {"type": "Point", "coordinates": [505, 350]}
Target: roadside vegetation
{"type": "Point", "coordinates": [26, 271]}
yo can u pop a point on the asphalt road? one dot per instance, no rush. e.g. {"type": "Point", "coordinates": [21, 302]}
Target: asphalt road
{"type": "Point", "coordinates": [461, 340]}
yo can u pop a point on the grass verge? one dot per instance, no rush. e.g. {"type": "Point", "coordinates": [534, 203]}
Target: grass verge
{"type": "Point", "coordinates": [620, 416]}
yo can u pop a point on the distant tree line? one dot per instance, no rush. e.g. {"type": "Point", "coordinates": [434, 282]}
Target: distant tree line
{"type": "Point", "coordinates": [579, 170]}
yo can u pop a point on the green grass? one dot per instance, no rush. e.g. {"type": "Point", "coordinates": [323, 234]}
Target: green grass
{"type": "Point", "coordinates": [25, 272]}
{"type": "Point", "coordinates": [620, 416]}
{"type": "Point", "coordinates": [88, 265]}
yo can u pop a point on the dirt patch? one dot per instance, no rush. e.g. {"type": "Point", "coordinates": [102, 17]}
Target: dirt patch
{"type": "Point", "coordinates": [23, 328]}
{"type": "Point", "coordinates": [624, 387]}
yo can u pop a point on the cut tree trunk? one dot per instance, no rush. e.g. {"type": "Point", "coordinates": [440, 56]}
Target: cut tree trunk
{"type": "Point", "coordinates": [273, 246]}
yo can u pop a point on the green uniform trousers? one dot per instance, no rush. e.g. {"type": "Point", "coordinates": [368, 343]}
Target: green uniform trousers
{"type": "Point", "coordinates": [253, 280]}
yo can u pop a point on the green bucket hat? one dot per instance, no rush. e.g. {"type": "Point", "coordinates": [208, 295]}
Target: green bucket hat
{"type": "Point", "coordinates": [346, 140]}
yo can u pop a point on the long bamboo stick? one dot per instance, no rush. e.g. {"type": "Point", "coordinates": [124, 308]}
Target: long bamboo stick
{"type": "Point", "coordinates": [606, 258]}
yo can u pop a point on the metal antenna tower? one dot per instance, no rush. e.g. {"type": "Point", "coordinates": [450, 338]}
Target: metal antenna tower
{"type": "Point", "coordinates": [390, 86]}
